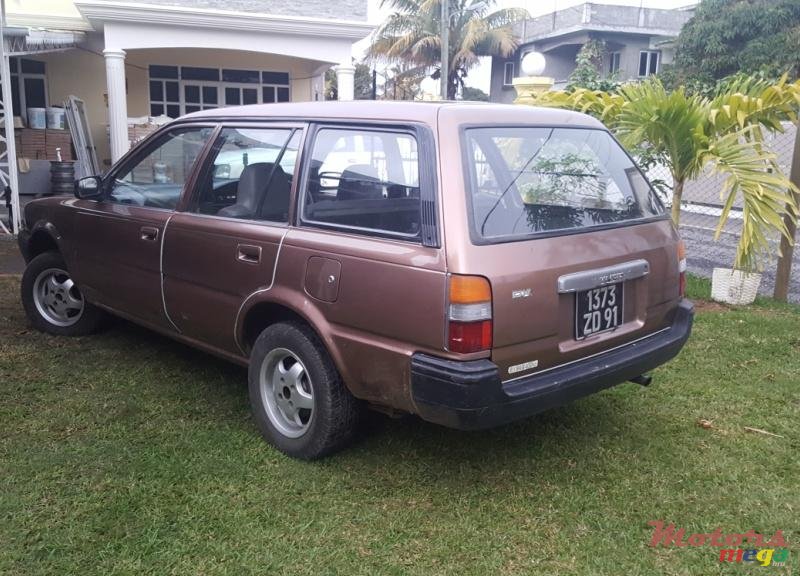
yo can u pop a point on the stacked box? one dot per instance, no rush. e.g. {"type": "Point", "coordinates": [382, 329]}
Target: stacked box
{"type": "Point", "coordinates": [33, 144]}
{"type": "Point", "coordinates": [42, 144]}
{"type": "Point", "coordinates": [138, 132]}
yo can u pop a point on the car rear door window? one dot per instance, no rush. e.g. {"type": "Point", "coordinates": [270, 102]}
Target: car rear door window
{"type": "Point", "coordinates": [250, 174]}
{"type": "Point", "coordinates": [156, 178]}
{"type": "Point", "coordinates": [364, 180]}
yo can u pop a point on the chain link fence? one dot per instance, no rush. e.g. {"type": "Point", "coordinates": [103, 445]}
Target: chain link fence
{"type": "Point", "coordinates": [700, 212]}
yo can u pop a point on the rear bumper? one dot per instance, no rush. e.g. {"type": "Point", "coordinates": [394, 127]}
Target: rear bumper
{"type": "Point", "coordinates": [470, 395]}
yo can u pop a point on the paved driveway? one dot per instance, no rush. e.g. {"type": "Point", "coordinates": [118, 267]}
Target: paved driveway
{"type": "Point", "coordinates": [704, 253]}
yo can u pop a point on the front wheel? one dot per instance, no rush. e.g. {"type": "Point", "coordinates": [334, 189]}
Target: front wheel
{"type": "Point", "coordinates": [298, 399]}
{"type": "Point", "coordinates": [52, 300]}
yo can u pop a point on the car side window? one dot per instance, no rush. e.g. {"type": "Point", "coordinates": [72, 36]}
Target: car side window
{"type": "Point", "coordinates": [250, 175]}
{"type": "Point", "coordinates": [365, 180]}
{"type": "Point", "coordinates": [157, 179]}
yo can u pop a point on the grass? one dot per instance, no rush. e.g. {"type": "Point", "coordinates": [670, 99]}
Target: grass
{"type": "Point", "coordinates": [125, 453]}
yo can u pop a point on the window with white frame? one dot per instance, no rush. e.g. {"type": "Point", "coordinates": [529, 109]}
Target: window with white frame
{"type": "Point", "coordinates": [613, 62]}
{"type": "Point", "coordinates": [508, 74]}
{"type": "Point", "coordinates": [648, 62]}
{"type": "Point", "coordinates": [276, 87]}
{"type": "Point", "coordinates": [28, 85]}
{"type": "Point", "coordinates": [177, 90]}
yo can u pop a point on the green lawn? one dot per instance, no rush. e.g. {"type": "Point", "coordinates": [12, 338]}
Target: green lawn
{"type": "Point", "coordinates": [125, 453]}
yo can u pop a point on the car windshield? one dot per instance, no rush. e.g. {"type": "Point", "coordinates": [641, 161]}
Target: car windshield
{"type": "Point", "coordinates": [530, 180]}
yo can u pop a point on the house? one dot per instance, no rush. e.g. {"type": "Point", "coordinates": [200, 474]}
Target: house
{"type": "Point", "coordinates": [638, 41]}
{"type": "Point", "coordinates": [172, 57]}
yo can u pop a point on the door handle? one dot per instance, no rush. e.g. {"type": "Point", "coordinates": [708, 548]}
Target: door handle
{"type": "Point", "coordinates": [148, 233]}
{"type": "Point", "coordinates": [248, 253]}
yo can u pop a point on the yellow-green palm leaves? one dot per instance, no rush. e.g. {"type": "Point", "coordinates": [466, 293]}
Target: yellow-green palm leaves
{"type": "Point", "coordinates": [724, 132]}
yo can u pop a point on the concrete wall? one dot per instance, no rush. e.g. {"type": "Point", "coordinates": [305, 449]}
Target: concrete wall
{"type": "Point", "coordinates": [629, 46]}
{"type": "Point", "coordinates": [51, 7]}
{"type": "Point", "coordinates": [498, 92]}
{"type": "Point", "coordinates": [560, 64]}
{"type": "Point", "coordinates": [604, 17]}
{"type": "Point", "coordinates": [82, 73]}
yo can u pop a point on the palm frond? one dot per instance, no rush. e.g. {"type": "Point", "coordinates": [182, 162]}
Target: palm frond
{"type": "Point", "coordinates": [505, 17]}
{"type": "Point", "coordinates": [411, 33]}
{"type": "Point", "coordinates": [753, 175]}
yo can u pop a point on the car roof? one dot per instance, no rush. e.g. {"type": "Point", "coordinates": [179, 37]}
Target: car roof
{"type": "Point", "coordinates": [458, 112]}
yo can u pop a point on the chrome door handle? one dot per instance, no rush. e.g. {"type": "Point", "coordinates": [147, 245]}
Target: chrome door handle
{"type": "Point", "coordinates": [148, 233]}
{"type": "Point", "coordinates": [248, 253]}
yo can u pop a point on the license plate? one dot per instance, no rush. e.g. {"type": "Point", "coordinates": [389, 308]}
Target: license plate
{"type": "Point", "coordinates": [598, 310]}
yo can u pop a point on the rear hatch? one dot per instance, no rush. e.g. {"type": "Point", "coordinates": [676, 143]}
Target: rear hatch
{"type": "Point", "coordinates": [577, 248]}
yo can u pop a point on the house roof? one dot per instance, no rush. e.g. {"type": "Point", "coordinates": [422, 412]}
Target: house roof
{"type": "Point", "coordinates": [98, 12]}
{"type": "Point", "coordinates": [591, 17]}
{"type": "Point", "coordinates": [354, 12]}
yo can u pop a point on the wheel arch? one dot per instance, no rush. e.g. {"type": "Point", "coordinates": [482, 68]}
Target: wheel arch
{"type": "Point", "coordinates": [262, 310]}
{"type": "Point", "coordinates": [44, 237]}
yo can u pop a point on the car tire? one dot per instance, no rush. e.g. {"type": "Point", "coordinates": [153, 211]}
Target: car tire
{"type": "Point", "coordinates": [298, 399]}
{"type": "Point", "coordinates": [52, 301]}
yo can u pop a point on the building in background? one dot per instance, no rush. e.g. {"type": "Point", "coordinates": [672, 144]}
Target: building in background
{"type": "Point", "coordinates": [639, 41]}
{"type": "Point", "coordinates": [172, 57]}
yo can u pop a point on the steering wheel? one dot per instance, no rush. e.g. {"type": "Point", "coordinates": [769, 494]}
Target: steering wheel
{"type": "Point", "coordinates": [130, 188]}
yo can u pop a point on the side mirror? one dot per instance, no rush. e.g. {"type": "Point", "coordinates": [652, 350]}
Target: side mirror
{"type": "Point", "coordinates": [89, 188]}
{"type": "Point", "coordinates": [222, 171]}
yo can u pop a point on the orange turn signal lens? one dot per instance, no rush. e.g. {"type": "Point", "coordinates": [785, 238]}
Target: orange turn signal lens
{"type": "Point", "coordinates": [469, 289]}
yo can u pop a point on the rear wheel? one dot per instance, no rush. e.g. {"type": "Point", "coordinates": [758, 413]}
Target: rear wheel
{"type": "Point", "coordinates": [52, 300]}
{"type": "Point", "coordinates": [298, 399]}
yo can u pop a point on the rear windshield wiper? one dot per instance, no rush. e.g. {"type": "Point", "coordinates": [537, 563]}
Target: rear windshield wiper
{"type": "Point", "coordinates": [514, 181]}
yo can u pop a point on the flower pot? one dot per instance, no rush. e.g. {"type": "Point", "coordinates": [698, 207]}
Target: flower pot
{"type": "Point", "coordinates": [734, 286]}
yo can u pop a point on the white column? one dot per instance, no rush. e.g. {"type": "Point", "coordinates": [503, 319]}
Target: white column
{"type": "Point", "coordinates": [117, 102]}
{"type": "Point", "coordinates": [345, 81]}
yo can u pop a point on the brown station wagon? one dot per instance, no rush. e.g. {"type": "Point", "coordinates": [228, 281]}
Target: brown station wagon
{"type": "Point", "coordinates": [469, 263]}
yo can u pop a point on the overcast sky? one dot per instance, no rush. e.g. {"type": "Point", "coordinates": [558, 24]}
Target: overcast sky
{"type": "Point", "coordinates": [479, 76]}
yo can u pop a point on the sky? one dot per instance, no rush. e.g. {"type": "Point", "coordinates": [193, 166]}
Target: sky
{"type": "Point", "coordinates": [479, 76]}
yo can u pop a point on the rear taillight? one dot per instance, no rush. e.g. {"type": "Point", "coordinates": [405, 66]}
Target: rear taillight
{"type": "Point", "coordinates": [682, 269]}
{"type": "Point", "coordinates": [469, 314]}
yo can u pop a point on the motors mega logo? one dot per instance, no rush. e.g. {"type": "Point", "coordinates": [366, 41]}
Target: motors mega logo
{"type": "Point", "coordinates": [772, 552]}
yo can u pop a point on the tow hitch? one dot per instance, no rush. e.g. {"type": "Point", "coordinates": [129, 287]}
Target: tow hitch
{"type": "Point", "coordinates": [642, 379]}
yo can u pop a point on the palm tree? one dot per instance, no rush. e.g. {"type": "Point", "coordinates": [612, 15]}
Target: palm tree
{"type": "Point", "coordinates": [724, 131]}
{"type": "Point", "coordinates": [411, 35]}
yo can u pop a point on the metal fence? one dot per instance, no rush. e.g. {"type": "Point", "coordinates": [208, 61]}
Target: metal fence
{"type": "Point", "coordinates": [700, 212]}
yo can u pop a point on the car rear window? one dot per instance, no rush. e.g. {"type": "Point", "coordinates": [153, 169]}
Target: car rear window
{"type": "Point", "coordinates": [532, 180]}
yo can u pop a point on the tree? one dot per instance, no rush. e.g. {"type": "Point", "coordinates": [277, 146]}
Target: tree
{"type": "Point", "coordinates": [587, 70]}
{"type": "Point", "coordinates": [362, 89]}
{"type": "Point", "coordinates": [689, 132]}
{"type": "Point", "coordinates": [475, 94]}
{"type": "Point", "coordinates": [411, 35]}
{"type": "Point", "coordinates": [729, 36]}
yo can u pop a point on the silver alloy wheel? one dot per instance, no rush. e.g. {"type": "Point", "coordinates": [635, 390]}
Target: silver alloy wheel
{"type": "Point", "coordinates": [57, 298]}
{"type": "Point", "coordinates": [286, 392]}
